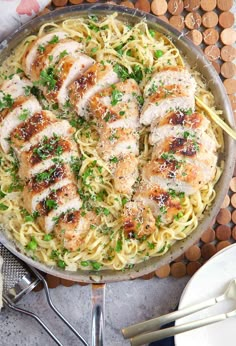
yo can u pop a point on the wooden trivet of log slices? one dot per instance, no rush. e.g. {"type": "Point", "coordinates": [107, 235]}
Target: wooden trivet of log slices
{"type": "Point", "coordinates": [209, 24]}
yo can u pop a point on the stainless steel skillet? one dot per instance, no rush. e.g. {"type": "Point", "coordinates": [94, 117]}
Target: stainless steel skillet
{"type": "Point", "coordinates": [193, 56]}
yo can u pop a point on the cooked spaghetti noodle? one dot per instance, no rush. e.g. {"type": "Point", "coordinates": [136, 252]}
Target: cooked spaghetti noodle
{"type": "Point", "coordinates": [104, 246]}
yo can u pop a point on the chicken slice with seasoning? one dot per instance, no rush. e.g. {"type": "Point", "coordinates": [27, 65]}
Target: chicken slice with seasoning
{"type": "Point", "coordinates": [37, 47]}
{"type": "Point", "coordinates": [187, 151]}
{"type": "Point", "coordinates": [170, 97]}
{"type": "Point", "coordinates": [95, 79]}
{"type": "Point", "coordinates": [178, 122]}
{"type": "Point", "coordinates": [15, 87]}
{"type": "Point", "coordinates": [67, 70]}
{"type": "Point", "coordinates": [171, 75]}
{"type": "Point", "coordinates": [57, 203]}
{"type": "Point", "coordinates": [44, 64]}
{"type": "Point", "coordinates": [164, 205]}
{"type": "Point", "coordinates": [40, 125]}
{"type": "Point", "coordinates": [117, 106]}
{"type": "Point", "coordinates": [44, 155]}
{"type": "Point", "coordinates": [116, 110]}
{"type": "Point", "coordinates": [72, 226]}
{"type": "Point", "coordinates": [138, 220]}
{"type": "Point", "coordinates": [42, 184]}
{"type": "Point", "coordinates": [10, 118]}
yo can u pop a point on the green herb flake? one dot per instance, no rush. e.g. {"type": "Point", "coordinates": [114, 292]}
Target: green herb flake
{"type": "Point", "coordinates": [47, 237]}
{"type": "Point", "coordinates": [27, 90]}
{"type": "Point", "coordinates": [114, 159]}
{"type": "Point", "coordinates": [152, 32]}
{"type": "Point", "coordinates": [3, 206]}
{"type": "Point", "coordinates": [84, 263]}
{"type": "Point", "coordinates": [96, 265]}
{"type": "Point", "coordinates": [151, 246]}
{"type": "Point", "coordinates": [178, 216]}
{"type": "Point", "coordinates": [118, 247]}
{"type": "Point", "coordinates": [51, 204]}
{"type": "Point", "coordinates": [41, 48]}
{"type": "Point", "coordinates": [116, 97]}
{"type": "Point", "coordinates": [63, 53]}
{"type": "Point", "coordinates": [55, 39]}
{"type": "Point", "coordinates": [61, 264]}
{"type": "Point", "coordinates": [6, 101]}
{"type": "Point", "coordinates": [24, 115]}
{"type": "Point", "coordinates": [124, 201]}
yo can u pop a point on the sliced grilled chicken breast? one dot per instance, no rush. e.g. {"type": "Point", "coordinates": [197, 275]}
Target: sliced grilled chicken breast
{"type": "Point", "coordinates": [171, 75]}
{"type": "Point", "coordinates": [95, 79]}
{"type": "Point", "coordinates": [187, 150]}
{"type": "Point", "coordinates": [138, 220]}
{"type": "Point", "coordinates": [166, 99]}
{"type": "Point", "coordinates": [117, 106]}
{"type": "Point", "coordinates": [71, 227]}
{"type": "Point", "coordinates": [160, 202]}
{"type": "Point", "coordinates": [15, 87]}
{"type": "Point", "coordinates": [68, 70]}
{"type": "Point", "coordinates": [57, 202]}
{"type": "Point", "coordinates": [40, 125]}
{"type": "Point", "coordinates": [22, 109]}
{"type": "Point", "coordinates": [43, 155]}
{"type": "Point", "coordinates": [42, 184]}
{"type": "Point", "coordinates": [118, 142]}
{"type": "Point", "coordinates": [52, 54]}
{"type": "Point", "coordinates": [172, 174]}
{"type": "Point", "coordinates": [37, 47]}
{"type": "Point", "coordinates": [178, 122]}
{"type": "Point", "coordinates": [125, 174]}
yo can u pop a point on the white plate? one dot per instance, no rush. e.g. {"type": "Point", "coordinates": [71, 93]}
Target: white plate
{"type": "Point", "coordinates": [210, 281]}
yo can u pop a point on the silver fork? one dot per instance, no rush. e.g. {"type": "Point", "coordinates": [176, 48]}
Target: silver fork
{"type": "Point", "coordinates": [20, 279]}
{"type": "Point", "coordinates": [144, 332]}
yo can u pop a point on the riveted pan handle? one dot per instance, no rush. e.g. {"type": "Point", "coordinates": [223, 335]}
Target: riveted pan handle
{"type": "Point", "coordinates": [98, 313]}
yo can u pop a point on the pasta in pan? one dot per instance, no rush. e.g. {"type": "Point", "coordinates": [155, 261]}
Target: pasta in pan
{"type": "Point", "coordinates": [134, 50]}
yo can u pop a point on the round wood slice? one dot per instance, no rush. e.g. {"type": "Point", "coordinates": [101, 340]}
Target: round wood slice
{"type": "Point", "coordinates": [224, 5]}
{"type": "Point", "coordinates": [127, 4]}
{"type": "Point", "coordinates": [193, 253]}
{"type": "Point", "coordinates": [208, 250]}
{"type": "Point", "coordinates": [212, 52]}
{"type": "Point", "coordinates": [210, 36]}
{"type": "Point", "coordinates": [226, 202]}
{"type": "Point", "coordinates": [76, 2]}
{"type": "Point", "coordinates": [163, 272]}
{"type": "Point", "coordinates": [196, 36]}
{"type": "Point", "coordinates": [191, 5]}
{"type": "Point", "coordinates": [178, 270]}
{"type": "Point", "coordinates": [159, 7]}
{"type": "Point", "coordinates": [228, 53]}
{"type": "Point", "coordinates": [223, 232]}
{"type": "Point", "coordinates": [177, 22]}
{"type": "Point", "coordinates": [193, 20]}
{"type": "Point", "coordinates": [228, 36]}
{"type": "Point", "coordinates": [223, 216]}
{"type": "Point", "coordinates": [175, 7]}
{"type": "Point", "coordinates": [228, 69]}
{"type": "Point", "coordinates": [192, 267]}
{"type": "Point", "coordinates": [230, 86]}
{"type": "Point", "coordinates": [208, 5]}
{"type": "Point", "coordinates": [222, 244]}
{"type": "Point", "coordinates": [226, 19]}
{"type": "Point", "coordinates": [59, 3]}
{"type": "Point", "coordinates": [210, 19]}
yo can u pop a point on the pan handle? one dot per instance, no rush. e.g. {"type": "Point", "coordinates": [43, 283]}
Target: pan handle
{"type": "Point", "coordinates": [98, 312]}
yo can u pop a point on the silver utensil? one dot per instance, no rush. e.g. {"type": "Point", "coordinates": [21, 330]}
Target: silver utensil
{"type": "Point", "coordinates": [20, 279]}
{"type": "Point", "coordinates": [142, 333]}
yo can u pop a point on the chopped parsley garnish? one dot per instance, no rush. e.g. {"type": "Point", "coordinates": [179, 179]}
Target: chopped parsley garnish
{"type": "Point", "coordinates": [122, 113]}
{"type": "Point", "coordinates": [118, 247]}
{"type": "Point", "coordinates": [51, 204]}
{"type": "Point", "coordinates": [41, 48]}
{"type": "Point", "coordinates": [114, 159]}
{"type": "Point", "coordinates": [96, 265]}
{"type": "Point", "coordinates": [93, 50]}
{"type": "Point", "coordinates": [27, 90]}
{"type": "Point", "coordinates": [178, 216]}
{"type": "Point", "coordinates": [55, 39]}
{"type": "Point", "coordinates": [116, 97]}
{"type": "Point", "coordinates": [3, 206]}
{"type": "Point", "coordinates": [163, 210]}
{"type": "Point", "coordinates": [124, 201]}
{"type": "Point", "coordinates": [93, 18]}
{"type": "Point", "coordinates": [84, 263]}
{"type": "Point", "coordinates": [137, 74]}
{"type": "Point", "coordinates": [47, 237]}
{"type": "Point", "coordinates": [121, 71]}
{"type": "Point", "coordinates": [62, 54]}
{"type": "Point", "coordinates": [140, 100]}
{"type": "Point", "coordinates": [158, 220]}
{"type": "Point", "coordinates": [6, 101]}
{"type": "Point", "coordinates": [45, 175]}
{"type": "Point", "coordinates": [24, 115]}
{"type": "Point", "coordinates": [47, 146]}
{"type": "Point", "coordinates": [19, 70]}
{"type": "Point", "coordinates": [48, 78]}
{"type": "Point", "coordinates": [151, 245]}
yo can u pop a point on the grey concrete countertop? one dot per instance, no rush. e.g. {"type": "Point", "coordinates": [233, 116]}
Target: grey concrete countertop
{"type": "Point", "coordinates": [126, 303]}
